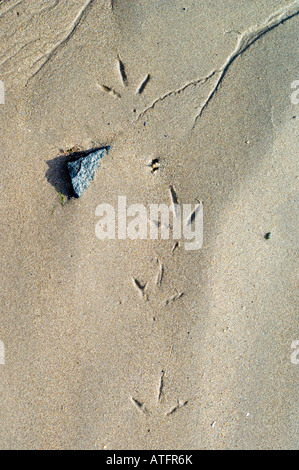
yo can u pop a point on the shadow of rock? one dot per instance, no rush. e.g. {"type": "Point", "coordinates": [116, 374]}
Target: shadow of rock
{"type": "Point", "coordinates": [58, 173]}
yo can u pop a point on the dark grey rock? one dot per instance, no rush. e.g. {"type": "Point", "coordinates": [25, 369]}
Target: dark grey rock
{"type": "Point", "coordinates": [82, 171]}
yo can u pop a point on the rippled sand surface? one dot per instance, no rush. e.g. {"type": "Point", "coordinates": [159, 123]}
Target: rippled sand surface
{"type": "Point", "coordinates": [142, 344]}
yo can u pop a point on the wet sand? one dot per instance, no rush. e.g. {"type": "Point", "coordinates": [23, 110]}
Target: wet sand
{"type": "Point", "coordinates": [204, 89]}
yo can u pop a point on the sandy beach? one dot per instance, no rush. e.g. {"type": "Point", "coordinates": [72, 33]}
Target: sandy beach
{"type": "Point", "coordinates": [143, 344]}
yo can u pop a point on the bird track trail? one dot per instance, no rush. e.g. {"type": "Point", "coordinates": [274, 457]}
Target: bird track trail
{"type": "Point", "coordinates": [245, 40]}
